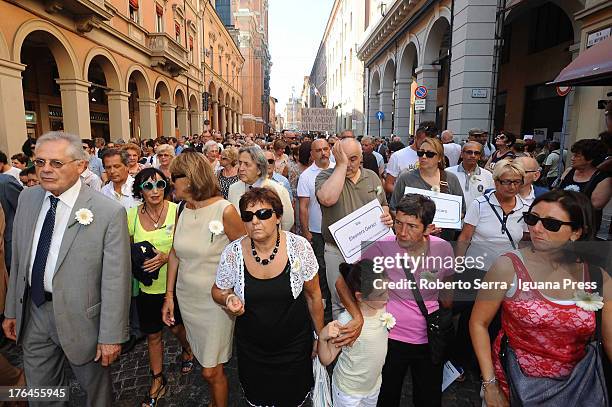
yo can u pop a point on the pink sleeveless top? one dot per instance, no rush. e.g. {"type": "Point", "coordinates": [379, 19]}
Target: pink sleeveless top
{"type": "Point", "coordinates": [549, 339]}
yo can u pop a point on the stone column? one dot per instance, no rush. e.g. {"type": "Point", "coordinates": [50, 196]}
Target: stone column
{"type": "Point", "coordinates": [386, 106]}
{"type": "Point", "coordinates": [119, 114]}
{"type": "Point", "coordinates": [235, 129]}
{"type": "Point", "coordinates": [471, 66]}
{"type": "Point", "coordinates": [196, 122]}
{"type": "Point", "coordinates": [182, 116]}
{"type": "Point", "coordinates": [214, 122]}
{"type": "Point", "coordinates": [168, 120]}
{"type": "Point", "coordinates": [222, 119]}
{"type": "Point", "coordinates": [240, 124]}
{"type": "Point", "coordinates": [427, 75]}
{"type": "Point", "coordinates": [230, 120]}
{"type": "Point", "coordinates": [148, 118]}
{"type": "Point", "coordinates": [75, 106]}
{"type": "Point", "coordinates": [13, 130]}
{"type": "Point", "coordinates": [373, 106]}
{"type": "Point", "coordinates": [402, 109]}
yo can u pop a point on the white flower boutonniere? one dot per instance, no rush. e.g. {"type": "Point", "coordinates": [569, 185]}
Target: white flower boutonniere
{"type": "Point", "coordinates": [588, 301]}
{"type": "Point", "coordinates": [296, 265]}
{"type": "Point", "coordinates": [379, 190]}
{"type": "Point", "coordinates": [388, 320]}
{"type": "Point", "coordinates": [216, 228]}
{"type": "Point", "coordinates": [474, 179]}
{"type": "Point", "coordinates": [84, 216]}
{"type": "Point", "coordinates": [572, 187]}
{"type": "Point", "coordinates": [435, 189]}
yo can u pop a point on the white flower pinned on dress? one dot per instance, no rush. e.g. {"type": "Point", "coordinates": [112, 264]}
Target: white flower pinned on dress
{"type": "Point", "coordinates": [216, 228]}
{"type": "Point", "coordinates": [388, 320]}
{"type": "Point", "coordinates": [296, 265]}
{"type": "Point", "coordinates": [435, 189]}
{"type": "Point", "coordinates": [588, 301]}
{"type": "Point", "coordinates": [84, 216]}
{"type": "Point", "coordinates": [572, 187]}
{"type": "Point", "coordinates": [379, 190]}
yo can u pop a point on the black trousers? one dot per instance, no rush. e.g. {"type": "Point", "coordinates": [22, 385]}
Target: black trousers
{"type": "Point", "coordinates": [426, 377]}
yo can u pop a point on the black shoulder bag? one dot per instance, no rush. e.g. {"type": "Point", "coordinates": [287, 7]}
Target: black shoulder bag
{"type": "Point", "coordinates": [502, 221]}
{"type": "Point", "coordinates": [439, 325]}
{"type": "Point", "coordinates": [585, 385]}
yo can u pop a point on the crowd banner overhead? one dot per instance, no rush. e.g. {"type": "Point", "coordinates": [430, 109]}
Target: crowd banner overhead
{"type": "Point", "coordinates": [318, 119]}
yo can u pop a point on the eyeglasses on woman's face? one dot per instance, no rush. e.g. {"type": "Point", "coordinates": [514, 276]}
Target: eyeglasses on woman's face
{"type": "Point", "coordinates": [510, 182]}
{"type": "Point", "coordinates": [150, 185]}
{"type": "Point", "coordinates": [550, 224]}
{"type": "Point", "coordinates": [428, 154]}
{"type": "Point", "coordinates": [261, 214]}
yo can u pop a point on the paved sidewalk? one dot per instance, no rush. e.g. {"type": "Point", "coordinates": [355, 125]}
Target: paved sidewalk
{"type": "Point", "coordinates": [131, 378]}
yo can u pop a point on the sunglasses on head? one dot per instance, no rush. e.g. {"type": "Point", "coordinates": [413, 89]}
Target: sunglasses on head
{"type": "Point", "coordinates": [262, 214]}
{"type": "Point", "coordinates": [174, 177]}
{"type": "Point", "coordinates": [552, 225]}
{"type": "Point", "coordinates": [150, 185]}
{"type": "Point", "coordinates": [428, 154]}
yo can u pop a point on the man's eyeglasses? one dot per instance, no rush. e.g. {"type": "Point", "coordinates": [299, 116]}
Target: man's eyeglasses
{"type": "Point", "coordinates": [531, 171]}
{"type": "Point", "coordinates": [39, 162]}
{"type": "Point", "coordinates": [174, 177]}
{"type": "Point", "coordinates": [149, 185]}
{"type": "Point", "coordinates": [552, 225]}
{"type": "Point", "coordinates": [428, 154]}
{"type": "Point", "coordinates": [262, 214]}
{"type": "Point", "coordinates": [472, 152]}
{"type": "Point", "coordinates": [507, 182]}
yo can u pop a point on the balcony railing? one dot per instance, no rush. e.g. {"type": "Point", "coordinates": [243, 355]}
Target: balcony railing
{"type": "Point", "coordinates": [167, 54]}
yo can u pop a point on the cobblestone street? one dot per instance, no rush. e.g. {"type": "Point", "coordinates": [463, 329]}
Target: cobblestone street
{"type": "Point", "coordinates": [131, 380]}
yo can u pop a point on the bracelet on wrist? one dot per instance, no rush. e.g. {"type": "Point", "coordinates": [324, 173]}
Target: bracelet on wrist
{"type": "Point", "coordinates": [228, 298]}
{"type": "Point", "coordinates": [486, 383]}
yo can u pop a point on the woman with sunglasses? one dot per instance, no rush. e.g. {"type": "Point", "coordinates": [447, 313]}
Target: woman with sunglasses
{"type": "Point", "coordinates": [503, 149]}
{"type": "Point", "coordinates": [547, 329]}
{"type": "Point", "coordinates": [430, 175]}
{"type": "Point", "coordinates": [268, 280]}
{"type": "Point", "coordinates": [206, 225]}
{"type": "Point", "coordinates": [153, 221]}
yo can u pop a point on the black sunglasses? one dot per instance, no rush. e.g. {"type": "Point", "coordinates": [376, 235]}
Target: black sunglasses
{"type": "Point", "coordinates": [262, 214]}
{"type": "Point", "coordinates": [271, 161]}
{"type": "Point", "coordinates": [552, 225]}
{"type": "Point", "coordinates": [428, 154]}
{"type": "Point", "coordinates": [149, 185]}
{"type": "Point", "coordinates": [174, 177]}
{"type": "Point", "coordinates": [472, 152]}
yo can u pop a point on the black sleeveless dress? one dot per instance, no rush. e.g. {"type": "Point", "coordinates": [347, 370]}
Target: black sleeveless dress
{"type": "Point", "coordinates": [274, 342]}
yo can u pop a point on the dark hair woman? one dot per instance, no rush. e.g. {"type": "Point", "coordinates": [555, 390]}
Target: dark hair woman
{"type": "Point", "coordinates": [268, 280]}
{"type": "Point", "coordinates": [548, 326]}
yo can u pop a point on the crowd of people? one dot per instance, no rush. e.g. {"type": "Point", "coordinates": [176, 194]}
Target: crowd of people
{"type": "Point", "coordinates": [225, 240]}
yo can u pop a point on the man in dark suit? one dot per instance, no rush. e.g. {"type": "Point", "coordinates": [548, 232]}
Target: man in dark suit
{"type": "Point", "coordinates": [69, 289]}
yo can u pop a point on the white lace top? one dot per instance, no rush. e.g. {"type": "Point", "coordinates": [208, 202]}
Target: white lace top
{"type": "Point", "coordinates": [304, 266]}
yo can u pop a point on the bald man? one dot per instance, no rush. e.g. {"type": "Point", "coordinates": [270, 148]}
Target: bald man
{"type": "Point", "coordinates": [528, 191]}
{"type": "Point", "coordinates": [473, 179]}
{"type": "Point", "coordinates": [340, 191]}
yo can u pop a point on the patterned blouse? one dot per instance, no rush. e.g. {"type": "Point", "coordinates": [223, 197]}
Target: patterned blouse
{"type": "Point", "coordinates": [225, 182]}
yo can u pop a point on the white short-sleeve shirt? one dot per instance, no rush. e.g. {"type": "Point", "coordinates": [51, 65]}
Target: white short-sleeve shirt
{"type": "Point", "coordinates": [473, 185]}
{"type": "Point", "coordinates": [404, 159]}
{"type": "Point", "coordinates": [306, 189]}
{"type": "Point", "coordinates": [488, 239]}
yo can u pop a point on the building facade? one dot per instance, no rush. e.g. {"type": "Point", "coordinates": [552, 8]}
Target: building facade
{"type": "Point", "coordinates": [222, 64]}
{"type": "Point", "coordinates": [293, 113]}
{"type": "Point", "coordinates": [251, 21]}
{"type": "Point", "coordinates": [482, 64]}
{"type": "Point", "coordinates": [106, 68]}
{"type": "Point", "coordinates": [340, 87]}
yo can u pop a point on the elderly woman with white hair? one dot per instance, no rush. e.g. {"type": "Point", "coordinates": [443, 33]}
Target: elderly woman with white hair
{"type": "Point", "coordinates": [253, 172]}
{"type": "Point", "coordinates": [165, 154]}
{"type": "Point", "coordinates": [211, 151]}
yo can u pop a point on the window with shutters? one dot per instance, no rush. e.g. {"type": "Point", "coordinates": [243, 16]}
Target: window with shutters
{"type": "Point", "coordinates": [177, 32]}
{"type": "Point", "coordinates": [134, 10]}
{"type": "Point", "coordinates": [159, 18]}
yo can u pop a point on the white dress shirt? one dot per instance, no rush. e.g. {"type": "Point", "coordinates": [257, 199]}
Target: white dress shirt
{"type": "Point", "coordinates": [62, 217]}
{"type": "Point", "coordinates": [125, 198]}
